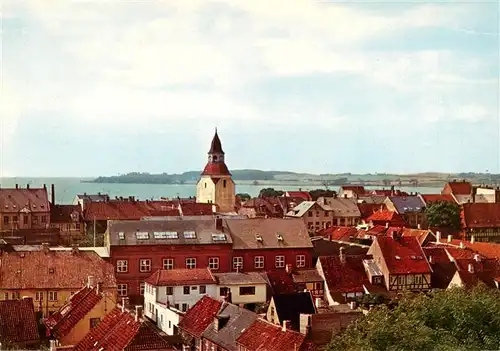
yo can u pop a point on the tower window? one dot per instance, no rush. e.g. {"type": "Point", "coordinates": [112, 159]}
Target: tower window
{"type": "Point", "coordinates": [205, 185]}
{"type": "Point", "coordinates": [224, 183]}
{"type": "Point", "coordinates": [214, 158]}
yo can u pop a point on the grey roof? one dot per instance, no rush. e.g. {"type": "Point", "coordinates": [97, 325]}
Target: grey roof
{"type": "Point", "coordinates": [301, 209]}
{"type": "Point", "coordinates": [204, 232]}
{"type": "Point", "coordinates": [372, 199]}
{"type": "Point", "coordinates": [306, 276]}
{"type": "Point", "coordinates": [269, 233]}
{"type": "Point", "coordinates": [372, 267]}
{"type": "Point", "coordinates": [405, 204]}
{"type": "Point", "coordinates": [239, 320]}
{"type": "Point", "coordinates": [235, 278]}
{"type": "Point", "coordinates": [340, 207]}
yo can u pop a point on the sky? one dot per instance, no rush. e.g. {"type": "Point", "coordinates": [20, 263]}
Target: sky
{"type": "Point", "coordinates": [108, 87]}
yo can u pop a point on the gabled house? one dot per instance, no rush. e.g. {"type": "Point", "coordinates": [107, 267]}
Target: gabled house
{"type": "Point", "coordinates": [411, 208]}
{"type": "Point", "coordinates": [18, 324]}
{"type": "Point", "coordinates": [402, 262]}
{"type": "Point", "coordinates": [316, 216]}
{"type": "Point", "coordinates": [344, 212]}
{"type": "Point", "coordinates": [125, 330]}
{"type": "Point", "coordinates": [460, 190]}
{"type": "Point", "coordinates": [83, 199]}
{"type": "Point", "coordinates": [481, 221]}
{"type": "Point", "coordinates": [27, 208]}
{"type": "Point", "coordinates": [288, 307]}
{"type": "Point", "coordinates": [472, 271]}
{"type": "Point", "coordinates": [431, 198]}
{"type": "Point", "coordinates": [265, 244]}
{"type": "Point", "coordinates": [423, 235]}
{"type": "Point", "coordinates": [83, 312]}
{"type": "Point", "coordinates": [170, 293]}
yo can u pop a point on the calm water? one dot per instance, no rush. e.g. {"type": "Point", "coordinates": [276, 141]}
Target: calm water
{"type": "Point", "coordinates": [67, 188]}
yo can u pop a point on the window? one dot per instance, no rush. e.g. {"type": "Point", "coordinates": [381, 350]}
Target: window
{"type": "Point", "coordinates": [401, 280]}
{"type": "Point", "coordinates": [6, 296]}
{"type": "Point", "coordinates": [237, 263]}
{"type": "Point", "coordinates": [39, 296]}
{"type": "Point", "coordinates": [280, 261]}
{"type": "Point", "coordinates": [145, 265]}
{"type": "Point", "coordinates": [177, 306]}
{"type": "Point", "coordinates": [189, 234]}
{"type": "Point", "coordinates": [213, 263]}
{"type": "Point", "coordinates": [142, 235]}
{"type": "Point", "coordinates": [121, 235]}
{"type": "Point", "coordinates": [418, 279]}
{"type": "Point", "coordinates": [5, 219]}
{"type": "Point", "coordinates": [205, 185]}
{"type": "Point", "coordinates": [170, 290]}
{"type": "Point", "coordinates": [14, 219]}
{"type": "Point", "coordinates": [224, 183]}
{"type": "Point", "coordinates": [247, 290]}
{"type": "Point", "coordinates": [218, 237]}
{"type": "Point", "coordinates": [94, 322]}
{"type": "Point", "coordinates": [168, 263]}
{"type": "Point", "coordinates": [141, 289]}
{"type": "Point", "coordinates": [186, 290]}
{"type": "Point", "coordinates": [318, 286]}
{"type": "Point", "coordinates": [223, 291]}
{"type": "Point", "coordinates": [34, 219]}
{"type": "Point", "coordinates": [184, 307]}
{"type": "Point", "coordinates": [44, 219]}
{"type": "Point", "coordinates": [121, 266]}
{"type": "Point", "coordinates": [203, 289]}
{"type": "Point", "coordinates": [165, 235]}
{"type": "Point", "coordinates": [16, 295]}
{"type": "Point", "coordinates": [25, 219]}
{"type": "Point", "coordinates": [190, 263]}
{"type": "Point", "coordinates": [301, 260]}
{"type": "Point", "coordinates": [122, 289]}
{"type": "Point", "coordinates": [52, 295]}
{"type": "Point", "coordinates": [258, 261]}
{"type": "Point", "coordinates": [310, 214]}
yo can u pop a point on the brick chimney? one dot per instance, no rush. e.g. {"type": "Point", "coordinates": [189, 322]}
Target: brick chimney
{"type": "Point", "coordinates": [286, 326]}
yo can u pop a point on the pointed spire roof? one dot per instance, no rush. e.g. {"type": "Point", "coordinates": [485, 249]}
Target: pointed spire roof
{"type": "Point", "coordinates": [216, 146]}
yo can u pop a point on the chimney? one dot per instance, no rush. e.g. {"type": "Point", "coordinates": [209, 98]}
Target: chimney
{"type": "Point", "coordinates": [218, 223]}
{"type": "Point", "coordinates": [53, 346]}
{"type": "Point", "coordinates": [386, 225]}
{"type": "Point", "coordinates": [17, 186]}
{"type": "Point", "coordinates": [286, 325]}
{"type": "Point", "coordinates": [90, 281]}
{"type": "Point", "coordinates": [53, 193]}
{"type": "Point", "coordinates": [342, 255]}
{"type": "Point", "coordinates": [45, 186]}
{"type": "Point", "coordinates": [124, 303]}
{"type": "Point", "coordinates": [317, 302]}
{"type": "Point", "coordinates": [353, 305]}
{"type": "Point", "coordinates": [138, 313]}
{"type": "Point", "coordinates": [471, 268]}
{"type": "Point", "coordinates": [472, 239]}
{"type": "Point", "coordinates": [27, 186]}
{"type": "Point", "coordinates": [477, 258]}
{"type": "Point", "coordinates": [438, 236]}
{"type": "Point", "coordinates": [419, 226]}
{"type": "Point", "coordinates": [462, 246]}
{"type": "Point", "coordinates": [288, 268]}
{"type": "Point", "coordinates": [45, 248]}
{"type": "Point", "coordinates": [99, 288]}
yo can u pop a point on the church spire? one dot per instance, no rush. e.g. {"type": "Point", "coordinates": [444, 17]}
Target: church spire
{"type": "Point", "coordinates": [216, 146]}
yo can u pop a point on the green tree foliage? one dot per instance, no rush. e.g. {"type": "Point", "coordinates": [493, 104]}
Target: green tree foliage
{"type": "Point", "coordinates": [317, 193]}
{"type": "Point", "coordinates": [244, 197]}
{"type": "Point", "coordinates": [270, 192]}
{"type": "Point", "coordinates": [455, 319]}
{"type": "Point", "coordinates": [443, 214]}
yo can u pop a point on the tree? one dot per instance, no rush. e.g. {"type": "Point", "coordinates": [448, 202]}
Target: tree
{"type": "Point", "coordinates": [456, 319]}
{"type": "Point", "coordinates": [244, 197]}
{"type": "Point", "coordinates": [270, 192]}
{"type": "Point", "coordinates": [317, 193]}
{"type": "Point", "coordinates": [443, 214]}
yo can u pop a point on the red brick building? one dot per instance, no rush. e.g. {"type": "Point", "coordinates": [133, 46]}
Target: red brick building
{"type": "Point", "coordinates": [139, 248]}
{"type": "Point", "coordinates": [266, 244]}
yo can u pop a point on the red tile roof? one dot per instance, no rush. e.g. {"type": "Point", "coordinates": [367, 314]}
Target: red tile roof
{"type": "Point", "coordinates": [181, 276]}
{"type": "Point", "coordinates": [367, 209]}
{"type": "Point", "coordinates": [127, 210]}
{"type": "Point", "coordinates": [403, 255]}
{"type": "Point", "coordinates": [18, 324]}
{"type": "Point", "coordinates": [120, 331]}
{"type": "Point", "coordinates": [262, 335]}
{"type": "Point", "coordinates": [53, 270]}
{"type": "Point", "coordinates": [481, 215]}
{"type": "Point", "coordinates": [429, 198]}
{"type": "Point", "coordinates": [303, 195]}
{"type": "Point", "coordinates": [196, 209]}
{"type": "Point", "coordinates": [216, 169]}
{"type": "Point", "coordinates": [64, 320]}
{"type": "Point", "coordinates": [438, 254]}
{"type": "Point", "coordinates": [338, 233]}
{"type": "Point", "coordinates": [421, 234]}
{"type": "Point", "coordinates": [15, 200]}
{"type": "Point", "coordinates": [460, 188]}
{"type": "Point", "coordinates": [65, 213]}
{"type": "Point", "coordinates": [200, 316]}
{"type": "Point", "coordinates": [344, 277]}
{"type": "Point", "coordinates": [382, 217]}
{"type": "Point", "coordinates": [388, 192]}
{"type": "Point", "coordinates": [281, 282]}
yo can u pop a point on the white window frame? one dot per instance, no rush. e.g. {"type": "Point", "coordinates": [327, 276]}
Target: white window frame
{"type": "Point", "coordinates": [237, 262]}
{"type": "Point", "coordinates": [52, 296]}
{"type": "Point", "coordinates": [189, 234]}
{"type": "Point", "coordinates": [168, 263]}
{"type": "Point", "coordinates": [280, 261]}
{"type": "Point", "coordinates": [144, 265]}
{"type": "Point", "coordinates": [258, 262]}
{"type": "Point", "coordinates": [191, 263]}
{"type": "Point", "coordinates": [121, 235]}
{"type": "Point", "coordinates": [39, 296]}
{"type": "Point", "coordinates": [142, 235]}
{"type": "Point", "coordinates": [300, 261]}
{"type": "Point", "coordinates": [122, 289]}
{"type": "Point", "coordinates": [122, 266]}
{"type": "Point", "coordinates": [213, 263]}
{"type": "Point", "coordinates": [142, 288]}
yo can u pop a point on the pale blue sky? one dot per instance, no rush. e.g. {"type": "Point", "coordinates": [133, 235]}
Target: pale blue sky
{"type": "Point", "coordinates": [102, 88]}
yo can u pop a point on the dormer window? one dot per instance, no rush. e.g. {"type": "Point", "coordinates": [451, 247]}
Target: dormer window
{"type": "Point", "coordinates": [279, 237]}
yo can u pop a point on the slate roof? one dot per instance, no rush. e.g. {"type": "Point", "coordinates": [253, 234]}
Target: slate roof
{"type": "Point", "coordinates": [301, 209]}
{"type": "Point", "coordinates": [344, 277]}
{"type": "Point", "coordinates": [239, 320]}
{"type": "Point", "coordinates": [290, 306]}
{"type": "Point", "coordinates": [120, 331]}
{"type": "Point", "coordinates": [481, 215]}
{"type": "Point", "coordinates": [64, 213]}
{"type": "Point", "coordinates": [407, 204]}
{"type": "Point", "coordinates": [18, 324]}
{"type": "Point", "coordinates": [205, 232]}
{"type": "Point", "coordinates": [403, 255]}
{"type": "Point", "coordinates": [200, 316]}
{"type": "Point", "coordinates": [262, 335]}
{"type": "Point", "coordinates": [244, 233]}
{"type": "Point", "coordinates": [93, 197]}
{"type": "Point", "coordinates": [181, 276]}
{"type": "Point", "coordinates": [14, 200]}
{"type": "Point", "coordinates": [64, 320]}
{"type": "Point", "coordinates": [53, 270]}
{"type": "Point", "coordinates": [235, 278]}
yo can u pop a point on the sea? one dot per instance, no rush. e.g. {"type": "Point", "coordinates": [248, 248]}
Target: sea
{"type": "Point", "coordinates": [66, 189]}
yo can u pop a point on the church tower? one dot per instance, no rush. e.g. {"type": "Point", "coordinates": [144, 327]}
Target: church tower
{"type": "Point", "coordinates": [216, 185]}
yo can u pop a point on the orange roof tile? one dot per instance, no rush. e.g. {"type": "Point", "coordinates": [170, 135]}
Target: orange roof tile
{"type": "Point", "coordinates": [181, 276]}
{"type": "Point", "coordinates": [200, 316]}
{"type": "Point", "coordinates": [481, 215]}
{"type": "Point", "coordinates": [18, 325]}
{"type": "Point", "coordinates": [403, 255]}
{"type": "Point", "coordinates": [262, 335]}
{"type": "Point", "coordinates": [429, 198]}
{"type": "Point", "coordinates": [344, 277]}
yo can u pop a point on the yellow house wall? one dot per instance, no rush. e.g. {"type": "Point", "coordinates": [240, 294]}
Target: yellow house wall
{"type": "Point", "coordinates": [205, 194]}
{"type": "Point", "coordinates": [83, 326]}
